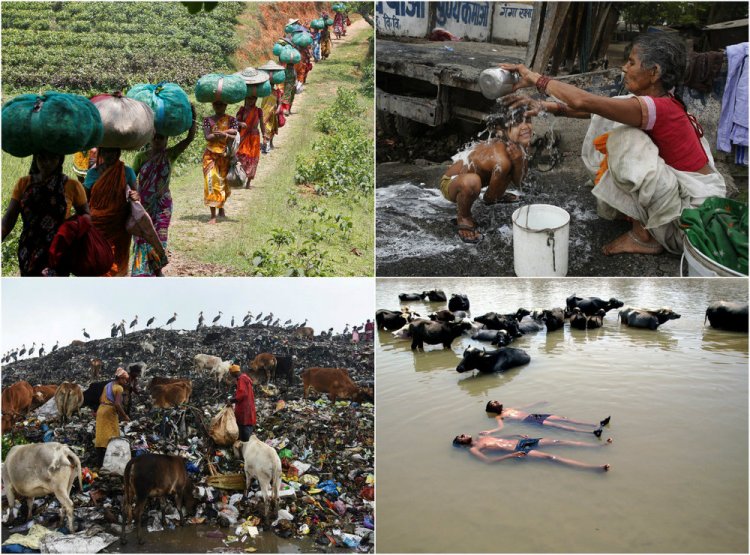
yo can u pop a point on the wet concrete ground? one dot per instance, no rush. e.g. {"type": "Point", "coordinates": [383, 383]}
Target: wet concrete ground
{"type": "Point", "coordinates": [415, 236]}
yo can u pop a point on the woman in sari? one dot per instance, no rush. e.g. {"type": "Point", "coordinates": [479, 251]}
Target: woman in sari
{"type": "Point", "coordinates": [338, 25]}
{"type": "Point", "coordinates": [218, 130]}
{"type": "Point", "coordinates": [303, 67]}
{"type": "Point", "coordinates": [110, 186]}
{"type": "Point", "coordinates": [325, 37]}
{"type": "Point", "coordinates": [154, 168]}
{"type": "Point", "coordinates": [271, 105]}
{"type": "Point", "coordinates": [44, 200]}
{"type": "Point", "coordinates": [290, 87]}
{"type": "Point", "coordinates": [109, 413]}
{"type": "Point", "coordinates": [250, 118]}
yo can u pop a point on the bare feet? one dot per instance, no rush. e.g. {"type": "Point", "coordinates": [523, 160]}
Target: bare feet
{"type": "Point", "coordinates": [609, 440]}
{"type": "Point", "coordinates": [630, 243]}
{"type": "Point", "coordinates": [212, 221]}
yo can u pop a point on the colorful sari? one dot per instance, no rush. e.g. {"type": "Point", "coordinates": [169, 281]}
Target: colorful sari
{"type": "Point", "coordinates": [109, 213]}
{"type": "Point", "coordinates": [216, 162]}
{"type": "Point", "coordinates": [304, 66]}
{"type": "Point", "coordinates": [249, 152]}
{"type": "Point", "coordinates": [338, 24]}
{"type": "Point", "coordinates": [153, 187]}
{"type": "Point", "coordinates": [325, 42]}
{"type": "Point", "coordinates": [107, 421]}
{"type": "Point", "coordinates": [43, 210]}
{"type": "Point", "coordinates": [269, 105]}
{"type": "Point", "coordinates": [290, 86]}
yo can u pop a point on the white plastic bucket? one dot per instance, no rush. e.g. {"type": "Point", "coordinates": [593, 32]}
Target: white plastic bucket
{"type": "Point", "coordinates": [699, 265]}
{"type": "Point", "coordinates": [540, 241]}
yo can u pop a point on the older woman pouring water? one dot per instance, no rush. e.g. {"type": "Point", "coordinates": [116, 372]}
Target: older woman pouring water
{"type": "Point", "coordinates": [649, 154]}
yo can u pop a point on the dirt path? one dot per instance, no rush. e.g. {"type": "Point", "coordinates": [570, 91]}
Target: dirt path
{"type": "Point", "coordinates": [191, 225]}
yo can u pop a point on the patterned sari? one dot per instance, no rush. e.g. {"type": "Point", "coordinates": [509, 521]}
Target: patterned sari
{"type": "Point", "coordinates": [290, 86]}
{"type": "Point", "coordinates": [249, 152]}
{"type": "Point", "coordinates": [216, 162]}
{"type": "Point", "coordinates": [269, 105]}
{"type": "Point", "coordinates": [43, 208]}
{"type": "Point", "coordinates": [109, 213]}
{"type": "Point", "coordinates": [304, 67]}
{"type": "Point", "coordinates": [325, 42]}
{"type": "Point", "coordinates": [153, 187]}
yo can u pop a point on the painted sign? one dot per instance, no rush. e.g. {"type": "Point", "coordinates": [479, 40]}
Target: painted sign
{"type": "Point", "coordinates": [402, 19]}
{"type": "Point", "coordinates": [470, 20]}
{"type": "Point", "coordinates": [512, 22]}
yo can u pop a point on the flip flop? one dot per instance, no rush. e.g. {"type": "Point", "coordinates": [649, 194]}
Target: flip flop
{"type": "Point", "coordinates": [467, 227]}
{"type": "Point", "coordinates": [454, 221]}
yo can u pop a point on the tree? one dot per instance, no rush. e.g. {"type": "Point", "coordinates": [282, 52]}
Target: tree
{"type": "Point", "coordinates": [364, 9]}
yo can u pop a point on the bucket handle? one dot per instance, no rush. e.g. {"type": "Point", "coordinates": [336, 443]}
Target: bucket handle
{"type": "Point", "coordinates": [551, 238]}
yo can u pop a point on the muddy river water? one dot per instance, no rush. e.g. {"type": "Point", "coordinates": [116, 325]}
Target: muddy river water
{"type": "Point", "coordinates": [678, 398]}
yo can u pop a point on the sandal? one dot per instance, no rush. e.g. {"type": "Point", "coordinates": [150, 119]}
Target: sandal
{"type": "Point", "coordinates": [472, 228]}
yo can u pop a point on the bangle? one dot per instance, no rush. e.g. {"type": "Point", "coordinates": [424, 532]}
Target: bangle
{"type": "Point", "coordinates": [562, 108]}
{"type": "Point", "coordinates": [542, 82]}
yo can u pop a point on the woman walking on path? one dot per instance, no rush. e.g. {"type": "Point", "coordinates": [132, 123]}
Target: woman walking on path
{"type": "Point", "coordinates": [290, 87]}
{"type": "Point", "coordinates": [111, 184]}
{"type": "Point", "coordinates": [325, 37]}
{"type": "Point", "coordinates": [271, 105]}
{"type": "Point", "coordinates": [250, 118]}
{"type": "Point", "coordinates": [218, 130]}
{"type": "Point", "coordinates": [154, 169]}
{"type": "Point", "coordinates": [44, 200]}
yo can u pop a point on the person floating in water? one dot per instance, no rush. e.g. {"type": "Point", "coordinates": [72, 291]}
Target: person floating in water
{"type": "Point", "coordinates": [493, 164]}
{"type": "Point", "coordinates": [516, 447]}
{"type": "Point", "coordinates": [551, 420]}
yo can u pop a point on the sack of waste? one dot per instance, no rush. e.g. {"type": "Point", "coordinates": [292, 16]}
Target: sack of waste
{"type": "Point", "coordinates": [128, 123]}
{"type": "Point", "coordinates": [117, 456]}
{"type": "Point", "coordinates": [223, 428]}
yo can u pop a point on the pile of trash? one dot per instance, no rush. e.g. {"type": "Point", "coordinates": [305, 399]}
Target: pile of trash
{"type": "Point", "coordinates": [327, 450]}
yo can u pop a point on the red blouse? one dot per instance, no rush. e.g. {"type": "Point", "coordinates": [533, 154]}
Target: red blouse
{"type": "Point", "coordinates": [244, 408]}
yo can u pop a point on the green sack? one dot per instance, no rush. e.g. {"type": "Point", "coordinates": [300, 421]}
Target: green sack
{"type": "Point", "coordinates": [329, 21]}
{"type": "Point", "coordinates": [278, 77]}
{"type": "Point", "coordinates": [261, 90]}
{"type": "Point", "coordinates": [277, 49]}
{"type": "Point", "coordinates": [171, 106]}
{"type": "Point", "coordinates": [718, 229]}
{"type": "Point", "coordinates": [290, 55]}
{"type": "Point", "coordinates": [233, 88]}
{"type": "Point", "coordinates": [55, 122]}
{"type": "Point", "coordinates": [316, 24]}
{"type": "Point", "coordinates": [302, 40]}
{"type": "Point", "coordinates": [286, 454]}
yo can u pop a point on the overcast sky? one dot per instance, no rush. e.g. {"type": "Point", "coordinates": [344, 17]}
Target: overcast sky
{"type": "Point", "coordinates": [48, 310]}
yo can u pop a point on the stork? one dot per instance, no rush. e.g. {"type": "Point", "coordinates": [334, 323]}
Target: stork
{"type": "Point", "coordinates": [113, 331]}
{"type": "Point", "coordinates": [14, 354]}
{"type": "Point", "coordinates": [288, 322]}
{"type": "Point", "coordinates": [150, 321]}
{"type": "Point", "coordinates": [304, 323]}
{"type": "Point", "coordinates": [55, 346]}
{"type": "Point", "coordinates": [122, 328]}
{"type": "Point", "coordinates": [275, 323]}
{"type": "Point", "coordinates": [41, 350]}
{"type": "Point", "coordinates": [134, 322]}
{"type": "Point", "coordinates": [258, 316]}
{"type": "Point", "coordinates": [200, 319]}
{"type": "Point", "coordinates": [23, 350]}
{"type": "Point", "coordinates": [172, 319]}
{"type": "Point", "coordinates": [232, 324]}
{"type": "Point", "coordinates": [247, 317]}
{"type": "Point", "coordinates": [268, 318]}
{"type": "Point", "coordinates": [31, 350]}
{"type": "Point", "coordinates": [85, 334]}
{"type": "Point", "coordinates": [217, 318]}
{"type": "Point", "coordinates": [346, 329]}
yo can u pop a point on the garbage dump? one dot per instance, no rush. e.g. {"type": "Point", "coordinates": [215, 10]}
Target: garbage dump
{"type": "Point", "coordinates": [326, 449]}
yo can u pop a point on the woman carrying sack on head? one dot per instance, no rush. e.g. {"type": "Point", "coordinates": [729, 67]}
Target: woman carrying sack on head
{"type": "Point", "coordinates": [154, 169]}
{"type": "Point", "coordinates": [250, 119]}
{"type": "Point", "coordinates": [325, 37]}
{"type": "Point", "coordinates": [109, 413]}
{"type": "Point", "coordinates": [44, 200]}
{"type": "Point", "coordinates": [110, 184]}
{"type": "Point", "coordinates": [218, 130]}
{"type": "Point", "coordinates": [271, 105]}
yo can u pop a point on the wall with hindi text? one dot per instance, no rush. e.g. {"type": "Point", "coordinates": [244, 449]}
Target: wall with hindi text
{"type": "Point", "coordinates": [402, 19]}
{"type": "Point", "coordinates": [511, 21]}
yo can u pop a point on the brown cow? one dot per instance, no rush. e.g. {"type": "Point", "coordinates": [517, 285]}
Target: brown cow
{"type": "Point", "coordinates": [69, 399]}
{"type": "Point", "coordinates": [16, 401]}
{"type": "Point", "coordinates": [171, 394]}
{"type": "Point", "coordinates": [304, 332]}
{"type": "Point", "coordinates": [76, 342]}
{"type": "Point", "coordinates": [152, 475]}
{"type": "Point", "coordinates": [42, 394]}
{"type": "Point", "coordinates": [264, 363]}
{"type": "Point", "coordinates": [336, 383]}
{"type": "Point", "coordinates": [96, 367]}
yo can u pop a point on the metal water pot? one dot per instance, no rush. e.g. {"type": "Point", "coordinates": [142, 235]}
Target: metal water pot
{"type": "Point", "coordinates": [496, 82]}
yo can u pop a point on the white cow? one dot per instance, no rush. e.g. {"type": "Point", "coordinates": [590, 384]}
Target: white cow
{"type": "Point", "coordinates": [205, 362]}
{"type": "Point", "coordinates": [38, 469]}
{"type": "Point", "coordinates": [263, 462]}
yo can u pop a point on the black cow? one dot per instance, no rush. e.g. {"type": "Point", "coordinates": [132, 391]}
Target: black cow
{"type": "Point", "coordinates": [443, 316]}
{"type": "Point", "coordinates": [650, 319]}
{"type": "Point", "coordinates": [409, 297]}
{"type": "Point", "coordinates": [591, 305]}
{"type": "Point", "coordinates": [553, 318]}
{"type": "Point", "coordinates": [285, 368]}
{"type": "Point", "coordinates": [434, 333]}
{"type": "Point", "coordinates": [582, 322]}
{"type": "Point", "coordinates": [458, 302]}
{"type": "Point", "coordinates": [493, 361]}
{"type": "Point", "coordinates": [531, 323]}
{"type": "Point", "coordinates": [434, 296]}
{"type": "Point", "coordinates": [392, 319]}
{"type": "Point", "coordinates": [728, 316]}
{"type": "Point", "coordinates": [488, 335]}
{"type": "Point", "coordinates": [495, 321]}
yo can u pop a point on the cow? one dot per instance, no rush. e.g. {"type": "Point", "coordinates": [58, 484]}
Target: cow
{"type": "Point", "coordinates": [93, 393]}
{"type": "Point", "coordinates": [304, 331]}
{"type": "Point", "coordinates": [531, 323]}
{"type": "Point", "coordinates": [263, 365]}
{"type": "Point", "coordinates": [728, 316]}
{"type": "Point", "coordinates": [202, 362]}
{"type": "Point", "coordinates": [392, 319]}
{"type": "Point", "coordinates": [262, 462]}
{"type": "Point", "coordinates": [153, 475]}
{"type": "Point", "coordinates": [16, 401]}
{"type": "Point", "coordinates": [554, 319]}
{"type": "Point", "coordinates": [336, 383]}
{"type": "Point", "coordinates": [495, 321]}
{"type": "Point", "coordinates": [493, 361]}
{"type": "Point", "coordinates": [442, 316]}
{"type": "Point", "coordinates": [159, 380]}
{"type": "Point", "coordinates": [285, 368]}
{"type": "Point", "coordinates": [38, 469]}
{"type": "Point", "coordinates": [434, 333]}
{"type": "Point", "coordinates": [409, 297]}
{"type": "Point", "coordinates": [42, 394]}
{"type": "Point", "coordinates": [69, 399]}
{"type": "Point", "coordinates": [434, 296]}
{"type": "Point", "coordinates": [96, 367]}
{"type": "Point", "coordinates": [591, 305]}
{"type": "Point", "coordinates": [580, 321]}
{"type": "Point", "coordinates": [170, 395]}
{"type": "Point", "coordinates": [458, 302]}
{"type": "Point", "coordinates": [502, 339]}
{"type": "Point", "coordinates": [488, 335]}
{"type": "Point", "coordinates": [649, 318]}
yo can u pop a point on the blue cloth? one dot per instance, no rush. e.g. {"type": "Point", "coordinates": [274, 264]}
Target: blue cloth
{"type": "Point", "coordinates": [93, 174]}
{"type": "Point", "coordinates": [733, 120]}
{"type": "Point", "coordinates": [740, 156]}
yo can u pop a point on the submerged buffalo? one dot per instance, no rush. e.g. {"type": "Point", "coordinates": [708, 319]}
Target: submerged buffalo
{"type": "Point", "coordinates": [435, 333]}
{"type": "Point", "coordinates": [591, 305]}
{"type": "Point", "coordinates": [647, 318]}
{"type": "Point", "coordinates": [434, 296]}
{"type": "Point", "coordinates": [493, 361]}
{"type": "Point", "coordinates": [443, 316]}
{"type": "Point", "coordinates": [728, 316]}
{"type": "Point", "coordinates": [392, 319]}
{"type": "Point", "coordinates": [458, 302]}
{"type": "Point", "coordinates": [410, 297]}
{"type": "Point", "coordinates": [580, 321]}
{"type": "Point", "coordinates": [554, 319]}
{"type": "Point", "coordinates": [495, 321]}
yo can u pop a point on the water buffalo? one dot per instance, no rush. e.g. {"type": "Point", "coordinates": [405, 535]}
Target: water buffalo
{"type": "Point", "coordinates": [493, 361]}
{"type": "Point", "coordinates": [458, 302]}
{"type": "Point", "coordinates": [460, 314]}
{"type": "Point", "coordinates": [393, 319]}
{"type": "Point", "coordinates": [553, 318]}
{"type": "Point", "coordinates": [443, 316]}
{"type": "Point", "coordinates": [580, 321]}
{"type": "Point", "coordinates": [434, 333]}
{"type": "Point", "coordinates": [591, 305]}
{"type": "Point", "coordinates": [410, 297]}
{"type": "Point", "coordinates": [434, 296]}
{"type": "Point", "coordinates": [488, 335]}
{"type": "Point", "coordinates": [531, 323]}
{"type": "Point", "coordinates": [650, 319]}
{"type": "Point", "coordinates": [728, 316]}
{"type": "Point", "coordinates": [495, 321]}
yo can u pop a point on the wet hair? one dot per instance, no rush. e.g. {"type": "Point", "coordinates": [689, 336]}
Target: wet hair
{"type": "Point", "coordinates": [667, 51]}
{"type": "Point", "coordinates": [457, 442]}
{"type": "Point", "coordinates": [491, 408]}
{"type": "Point", "coordinates": [505, 117]}
{"type": "Point", "coordinates": [34, 168]}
